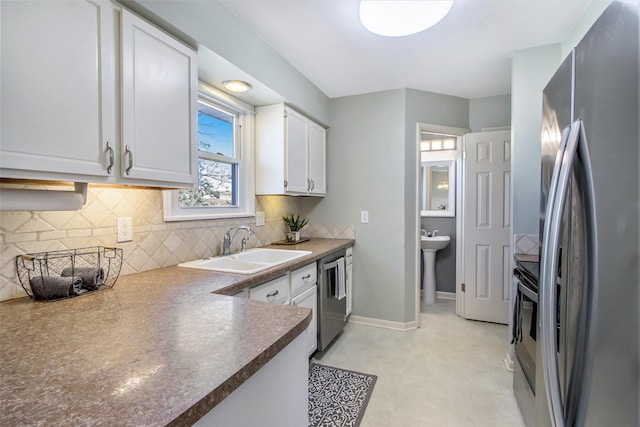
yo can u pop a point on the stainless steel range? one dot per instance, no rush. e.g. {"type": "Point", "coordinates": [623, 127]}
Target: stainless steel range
{"type": "Point", "coordinates": [525, 332]}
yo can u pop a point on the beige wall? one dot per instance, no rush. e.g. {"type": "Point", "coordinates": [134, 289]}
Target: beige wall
{"type": "Point", "coordinates": [155, 243]}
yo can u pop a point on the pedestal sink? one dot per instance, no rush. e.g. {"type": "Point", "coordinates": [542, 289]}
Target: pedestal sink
{"type": "Point", "coordinates": [431, 245]}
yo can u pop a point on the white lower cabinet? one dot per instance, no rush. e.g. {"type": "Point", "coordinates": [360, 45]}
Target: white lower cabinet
{"type": "Point", "coordinates": [298, 288]}
{"type": "Point", "coordinates": [349, 279]}
{"type": "Point", "coordinates": [309, 299]}
{"type": "Point", "coordinates": [276, 291]}
{"type": "Point", "coordinates": [276, 395]}
{"type": "Point", "coordinates": [304, 293]}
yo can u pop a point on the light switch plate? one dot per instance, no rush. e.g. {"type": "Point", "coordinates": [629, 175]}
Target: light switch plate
{"type": "Point", "coordinates": [125, 229]}
{"type": "Point", "coordinates": [364, 217]}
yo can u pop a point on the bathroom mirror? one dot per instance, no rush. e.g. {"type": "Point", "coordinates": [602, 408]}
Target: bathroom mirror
{"type": "Point", "coordinates": [437, 188]}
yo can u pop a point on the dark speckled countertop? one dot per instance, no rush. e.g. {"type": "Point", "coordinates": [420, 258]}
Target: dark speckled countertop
{"type": "Point", "coordinates": [161, 347]}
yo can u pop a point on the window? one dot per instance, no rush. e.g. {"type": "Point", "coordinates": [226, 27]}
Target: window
{"type": "Point", "coordinates": [225, 167]}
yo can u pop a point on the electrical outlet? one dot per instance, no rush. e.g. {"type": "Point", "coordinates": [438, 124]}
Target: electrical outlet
{"type": "Point", "coordinates": [259, 219]}
{"type": "Point", "coordinates": [364, 217]}
{"type": "Point", "coordinates": [125, 229]}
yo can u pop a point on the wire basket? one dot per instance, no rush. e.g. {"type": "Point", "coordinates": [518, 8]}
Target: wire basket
{"type": "Point", "coordinates": [55, 275]}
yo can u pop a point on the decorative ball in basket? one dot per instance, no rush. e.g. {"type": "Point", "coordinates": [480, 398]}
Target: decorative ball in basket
{"type": "Point", "coordinates": [55, 275]}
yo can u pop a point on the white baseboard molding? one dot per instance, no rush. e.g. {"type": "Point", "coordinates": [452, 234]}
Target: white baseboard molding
{"type": "Point", "coordinates": [446, 295]}
{"type": "Point", "coordinates": [386, 324]}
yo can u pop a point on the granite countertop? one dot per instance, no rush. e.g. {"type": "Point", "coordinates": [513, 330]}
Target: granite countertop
{"type": "Point", "coordinates": [161, 347]}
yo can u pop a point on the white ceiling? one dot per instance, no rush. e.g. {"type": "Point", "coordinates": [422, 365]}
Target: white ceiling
{"type": "Point", "coordinates": [468, 54]}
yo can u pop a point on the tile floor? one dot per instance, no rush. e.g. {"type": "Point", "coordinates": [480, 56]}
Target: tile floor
{"type": "Point", "coordinates": [450, 372]}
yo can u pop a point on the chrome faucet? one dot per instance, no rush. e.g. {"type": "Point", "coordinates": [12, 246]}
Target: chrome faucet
{"type": "Point", "coordinates": [228, 238]}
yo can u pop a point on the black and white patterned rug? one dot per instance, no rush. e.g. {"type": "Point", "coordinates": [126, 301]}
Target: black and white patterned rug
{"type": "Point", "coordinates": [337, 397]}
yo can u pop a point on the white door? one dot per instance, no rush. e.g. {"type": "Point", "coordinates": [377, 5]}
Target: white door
{"type": "Point", "coordinates": [159, 104]}
{"type": "Point", "coordinates": [486, 214]}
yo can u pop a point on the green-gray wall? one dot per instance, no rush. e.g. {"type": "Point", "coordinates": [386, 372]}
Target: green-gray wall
{"type": "Point", "coordinates": [211, 24]}
{"type": "Point", "coordinates": [373, 159]}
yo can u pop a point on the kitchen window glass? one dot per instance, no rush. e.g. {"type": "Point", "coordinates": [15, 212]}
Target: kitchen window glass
{"type": "Point", "coordinates": [225, 173]}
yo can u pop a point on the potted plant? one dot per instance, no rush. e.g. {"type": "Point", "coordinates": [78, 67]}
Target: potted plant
{"type": "Point", "coordinates": [295, 223]}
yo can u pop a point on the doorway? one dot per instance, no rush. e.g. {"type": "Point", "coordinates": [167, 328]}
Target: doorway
{"type": "Point", "coordinates": [446, 223]}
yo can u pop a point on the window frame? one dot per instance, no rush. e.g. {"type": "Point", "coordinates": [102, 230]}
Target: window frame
{"type": "Point", "coordinates": [244, 135]}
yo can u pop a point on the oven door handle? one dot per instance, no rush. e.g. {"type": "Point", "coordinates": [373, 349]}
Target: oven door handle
{"type": "Point", "coordinates": [330, 265]}
{"type": "Point", "coordinates": [533, 296]}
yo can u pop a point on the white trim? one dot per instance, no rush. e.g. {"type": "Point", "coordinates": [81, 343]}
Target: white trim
{"type": "Point", "coordinates": [246, 194]}
{"type": "Point", "coordinates": [447, 130]}
{"type": "Point", "coordinates": [386, 324]}
{"type": "Point", "coordinates": [496, 128]}
{"type": "Point", "coordinates": [446, 295]}
{"type": "Point", "coordinates": [460, 177]}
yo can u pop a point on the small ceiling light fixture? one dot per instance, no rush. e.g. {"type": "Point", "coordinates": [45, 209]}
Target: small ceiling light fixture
{"type": "Point", "coordinates": [396, 18]}
{"type": "Point", "coordinates": [238, 86]}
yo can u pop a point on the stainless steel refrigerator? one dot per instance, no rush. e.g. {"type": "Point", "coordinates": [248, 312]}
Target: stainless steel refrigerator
{"type": "Point", "coordinates": [589, 230]}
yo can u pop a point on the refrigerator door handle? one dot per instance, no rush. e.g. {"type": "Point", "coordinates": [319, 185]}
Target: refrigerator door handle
{"type": "Point", "coordinates": [576, 146]}
{"type": "Point", "coordinates": [548, 272]}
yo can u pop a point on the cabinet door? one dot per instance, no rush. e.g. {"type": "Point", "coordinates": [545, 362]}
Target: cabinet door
{"type": "Point", "coordinates": [276, 291]}
{"type": "Point", "coordinates": [296, 128]}
{"type": "Point", "coordinates": [349, 287]}
{"type": "Point", "coordinates": [159, 105]}
{"type": "Point", "coordinates": [58, 87]}
{"type": "Point", "coordinates": [308, 299]}
{"type": "Point", "coordinates": [317, 159]}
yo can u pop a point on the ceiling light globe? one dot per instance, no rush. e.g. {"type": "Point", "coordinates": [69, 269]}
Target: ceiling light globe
{"type": "Point", "coordinates": [397, 18]}
{"type": "Point", "coordinates": [238, 86]}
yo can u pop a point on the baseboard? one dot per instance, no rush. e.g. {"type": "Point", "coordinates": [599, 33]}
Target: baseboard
{"type": "Point", "coordinates": [386, 324]}
{"type": "Point", "coordinates": [446, 295]}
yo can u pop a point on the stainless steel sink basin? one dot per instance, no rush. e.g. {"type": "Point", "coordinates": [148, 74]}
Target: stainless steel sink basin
{"type": "Point", "coordinates": [434, 243]}
{"type": "Point", "coordinates": [249, 262]}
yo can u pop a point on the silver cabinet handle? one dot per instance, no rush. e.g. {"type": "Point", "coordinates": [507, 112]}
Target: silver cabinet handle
{"type": "Point", "coordinates": [273, 294]}
{"type": "Point", "coordinates": [308, 184]}
{"type": "Point", "coordinates": [306, 277]}
{"type": "Point", "coordinates": [111, 159]}
{"type": "Point", "coordinates": [129, 154]}
{"type": "Point", "coordinates": [313, 185]}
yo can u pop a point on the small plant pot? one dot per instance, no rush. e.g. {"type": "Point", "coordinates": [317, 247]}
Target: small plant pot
{"type": "Point", "coordinates": [293, 236]}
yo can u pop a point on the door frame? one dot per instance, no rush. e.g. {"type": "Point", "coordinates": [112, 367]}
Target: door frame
{"type": "Point", "coordinates": [458, 133]}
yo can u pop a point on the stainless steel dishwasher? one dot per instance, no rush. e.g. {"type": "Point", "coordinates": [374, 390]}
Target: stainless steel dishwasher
{"type": "Point", "coordinates": [332, 301]}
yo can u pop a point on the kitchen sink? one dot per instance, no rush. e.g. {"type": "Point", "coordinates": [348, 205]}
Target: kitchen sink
{"type": "Point", "coordinates": [248, 262]}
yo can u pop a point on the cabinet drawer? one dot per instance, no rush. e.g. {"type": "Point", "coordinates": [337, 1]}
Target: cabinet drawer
{"type": "Point", "coordinates": [303, 278]}
{"type": "Point", "coordinates": [276, 290]}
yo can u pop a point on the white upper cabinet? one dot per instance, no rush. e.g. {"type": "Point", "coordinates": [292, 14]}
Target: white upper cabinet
{"type": "Point", "coordinates": [75, 95]}
{"type": "Point", "coordinates": [159, 104]}
{"type": "Point", "coordinates": [58, 95]}
{"type": "Point", "coordinates": [290, 153]}
{"type": "Point", "coordinates": [317, 159]}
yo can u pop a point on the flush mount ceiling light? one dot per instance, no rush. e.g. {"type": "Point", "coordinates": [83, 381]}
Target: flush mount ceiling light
{"type": "Point", "coordinates": [395, 18]}
{"type": "Point", "coordinates": [236, 85]}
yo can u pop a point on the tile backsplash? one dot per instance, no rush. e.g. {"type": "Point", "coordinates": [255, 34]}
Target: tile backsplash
{"type": "Point", "coordinates": [155, 243]}
{"type": "Point", "coordinates": [525, 244]}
